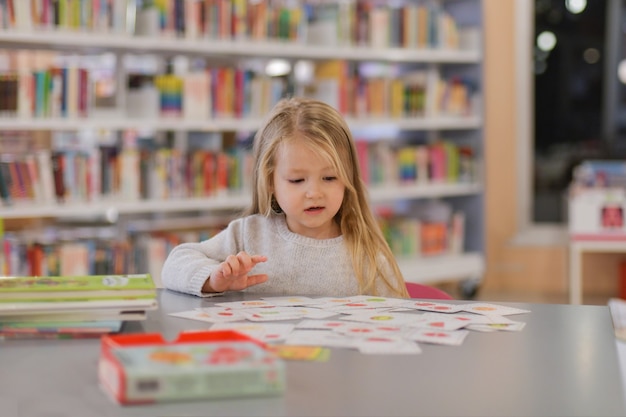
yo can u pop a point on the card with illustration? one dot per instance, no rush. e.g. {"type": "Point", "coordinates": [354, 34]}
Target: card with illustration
{"type": "Point", "coordinates": [492, 309]}
{"type": "Point", "coordinates": [370, 330]}
{"type": "Point", "coordinates": [265, 332]}
{"type": "Point", "coordinates": [245, 304]}
{"type": "Point", "coordinates": [439, 337]}
{"type": "Point", "coordinates": [301, 353]}
{"type": "Point", "coordinates": [211, 314]}
{"type": "Point", "coordinates": [321, 324]}
{"type": "Point", "coordinates": [308, 337]}
{"type": "Point", "coordinates": [396, 319]}
{"type": "Point", "coordinates": [514, 326]}
{"type": "Point", "coordinates": [289, 300]}
{"type": "Point", "coordinates": [387, 345]}
{"type": "Point", "coordinates": [432, 306]}
{"type": "Point", "coordinates": [375, 302]}
{"type": "Point", "coordinates": [439, 321]}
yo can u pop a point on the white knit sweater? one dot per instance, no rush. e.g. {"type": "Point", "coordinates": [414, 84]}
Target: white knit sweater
{"type": "Point", "coordinates": [296, 264]}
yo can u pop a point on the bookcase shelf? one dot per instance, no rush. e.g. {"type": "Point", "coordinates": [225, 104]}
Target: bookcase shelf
{"type": "Point", "coordinates": [230, 124]}
{"type": "Point", "coordinates": [107, 208]}
{"type": "Point", "coordinates": [437, 65]}
{"type": "Point", "coordinates": [80, 41]}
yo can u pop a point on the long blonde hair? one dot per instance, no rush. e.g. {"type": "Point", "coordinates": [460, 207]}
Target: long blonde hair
{"type": "Point", "coordinates": [325, 130]}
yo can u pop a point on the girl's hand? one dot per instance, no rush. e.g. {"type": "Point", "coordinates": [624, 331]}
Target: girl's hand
{"type": "Point", "coordinates": [232, 274]}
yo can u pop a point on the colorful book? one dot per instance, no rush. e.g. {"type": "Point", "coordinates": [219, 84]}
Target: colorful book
{"type": "Point", "coordinates": [58, 329]}
{"type": "Point", "coordinates": [86, 287]}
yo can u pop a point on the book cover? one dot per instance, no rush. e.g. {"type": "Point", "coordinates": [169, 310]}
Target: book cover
{"type": "Point", "coordinates": [16, 308]}
{"type": "Point", "coordinates": [75, 315]}
{"type": "Point", "coordinates": [58, 329]}
{"type": "Point", "coordinates": [13, 288]}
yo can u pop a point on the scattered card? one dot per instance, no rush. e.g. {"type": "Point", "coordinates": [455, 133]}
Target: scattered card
{"type": "Point", "coordinates": [439, 337]}
{"type": "Point", "coordinates": [492, 309]}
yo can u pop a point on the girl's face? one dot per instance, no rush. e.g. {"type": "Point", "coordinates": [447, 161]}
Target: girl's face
{"type": "Point", "coordinates": [308, 190]}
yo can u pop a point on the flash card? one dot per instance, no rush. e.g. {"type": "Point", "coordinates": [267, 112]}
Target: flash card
{"type": "Point", "coordinates": [266, 332]}
{"type": "Point", "coordinates": [271, 313]}
{"type": "Point", "coordinates": [210, 314]}
{"type": "Point", "coordinates": [289, 301]}
{"type": "Point", "coordinates": [395, 319]}
{"type": "Point", "coordinates": [321, 324]}
{"type": "Point", "coordinates": [439, 337]}
{"type": "Point", "coordinates": [369, 330]}
{"type": "Point", "coordinates": [245, 304]}
{"type": "Point", "coordinates": [439, 321]}
{"type": "Point", "coordinates": [432, 306]}
{"type": "Point", "coordinates": [309, 337]}
{"type": "Point", "coordinates": [514, 326]}
{"type": "Point", "coordinates": [384, 345]}
{"type": "Point", "coordinates": [492, 309]}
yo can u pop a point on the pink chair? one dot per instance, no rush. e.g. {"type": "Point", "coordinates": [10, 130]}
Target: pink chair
{"type": "Point", "coordinates": [427, 292]}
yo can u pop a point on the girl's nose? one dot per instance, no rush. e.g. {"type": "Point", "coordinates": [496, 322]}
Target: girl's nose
{"type": "Point", "coordinates": [313, 190]}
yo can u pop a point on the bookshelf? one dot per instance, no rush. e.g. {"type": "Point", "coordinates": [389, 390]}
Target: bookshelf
{"type": "Point", "coordinates": [442, 60]}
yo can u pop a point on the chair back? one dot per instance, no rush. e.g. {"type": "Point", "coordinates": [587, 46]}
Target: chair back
{"type": "Point", "coordinates": [427, 292]}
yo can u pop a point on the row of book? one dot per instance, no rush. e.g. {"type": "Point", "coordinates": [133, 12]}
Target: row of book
{"type": "Point", "coordinates": [78, 306]}
{"type": "Point", "coordinates": [408, 236]}
{"type": "Point", "coordinates": [419, 24]}
{"type": "Point", "coordinates": [54, 92]}
{"type": "Point", "coordinates": [113, 172]}
{"type": "Point", "coordinates": [217, 92]}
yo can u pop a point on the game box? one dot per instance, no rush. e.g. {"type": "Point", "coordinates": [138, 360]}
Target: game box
{"type": "Point", "coordinates": [145, 368]}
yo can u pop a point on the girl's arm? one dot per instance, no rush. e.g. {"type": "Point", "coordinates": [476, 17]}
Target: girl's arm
{"type": "Point", "coordinates": [189, 265]}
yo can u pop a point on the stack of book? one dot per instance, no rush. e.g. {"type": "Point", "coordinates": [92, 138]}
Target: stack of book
{"type": "Point", "coordinates": [72, 306]}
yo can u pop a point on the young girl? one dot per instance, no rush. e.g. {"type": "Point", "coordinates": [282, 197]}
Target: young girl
{"type": "Point", "coordinates": [309, 230]}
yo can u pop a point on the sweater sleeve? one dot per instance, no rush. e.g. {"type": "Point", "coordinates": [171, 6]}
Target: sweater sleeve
{"type": "Point", "coordinates": [189, 265]}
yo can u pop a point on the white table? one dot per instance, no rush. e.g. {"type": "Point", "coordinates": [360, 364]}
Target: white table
{"type": "Point", "coordinates": [563, 363]}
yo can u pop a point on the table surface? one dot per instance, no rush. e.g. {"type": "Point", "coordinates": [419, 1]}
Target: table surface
{"type": "Point", "coordinates": [565, 362]}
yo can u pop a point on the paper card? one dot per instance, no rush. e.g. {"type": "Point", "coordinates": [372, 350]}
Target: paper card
{"type": "Point", "coordinates": [389, 318]}
{"type": "Point", "coordinates": [369, 330]}
{"type": "Point", "coordinates": [307, 337]}
{"type": "Point", "coordinates": [266, 332]}
{"type": "Point", "coordinates": [329, 302]}
{"type": "Point", "coordinates": [245, 304]}
{"type": "Point", "coordinates": [289, 301]}
{"type": "Point", "coordinates": [356, 309]}
{"type": "Point", "coordinates": [376, 302]}
{"type": "Point", "coordinates": [271, 313]}
{"type": "Point", "coordinates": [439, 337]}
{"type": "Point", "coordinates": [210, 314]}
{"type": "Point", "coordinates": [495, 327]}
{"type": "Point", "coordinates": [469, 318]}
{"type": "Point", "coordinates": [432, 306]}
{"type": "Point", "coordinates": [315, 313]}
{"type": "Point", "coordinates": [301, 353]}
{"type": "Point", "coordinates": [492, 309]}
{"type": "Point", "coordinates": [439, 321]}
{"type": "Point", "coordinates": [321, 324]}
{"type": "Point", "coordinates": [381, 345]}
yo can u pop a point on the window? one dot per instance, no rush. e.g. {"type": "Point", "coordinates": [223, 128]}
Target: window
{"type": "Point", "coordinates": [571, 54]}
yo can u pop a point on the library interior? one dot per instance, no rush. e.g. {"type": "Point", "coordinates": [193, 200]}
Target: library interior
{"type": "Point", "coordinates": [135, 136]}
{"type": "Point", "coordinates": [488, 139]}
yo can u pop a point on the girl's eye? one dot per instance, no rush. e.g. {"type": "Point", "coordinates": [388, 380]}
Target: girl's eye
{"type": "Point", "coordinates": [296, 181]}
{"type": "Point", "coordinates": [330, 178]}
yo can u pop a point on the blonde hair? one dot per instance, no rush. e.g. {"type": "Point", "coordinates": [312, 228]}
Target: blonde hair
{"type": "Point", "coordinates": [325, 130]}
